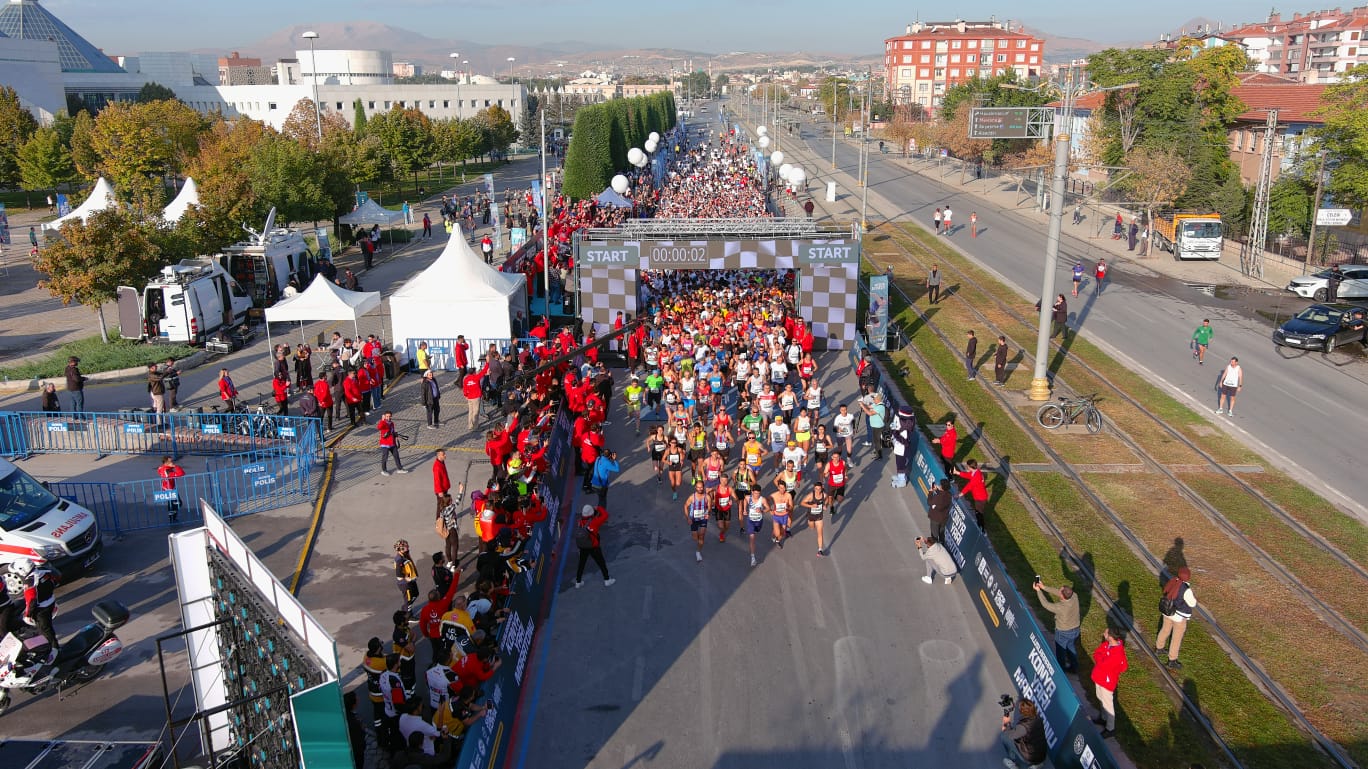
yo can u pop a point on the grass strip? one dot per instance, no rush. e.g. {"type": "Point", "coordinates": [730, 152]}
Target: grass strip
{"type": "Point", "coordinates": [97, 356]}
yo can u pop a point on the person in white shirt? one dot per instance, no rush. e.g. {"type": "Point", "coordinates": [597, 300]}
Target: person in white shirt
{"type": "Point", "coordinates": [1232, 381]}
{"type": "Point", "coordinates": [412, 721]}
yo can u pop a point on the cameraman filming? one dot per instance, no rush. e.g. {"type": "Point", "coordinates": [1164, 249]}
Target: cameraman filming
{"type": "Point", "coordinates": [1023, 736]}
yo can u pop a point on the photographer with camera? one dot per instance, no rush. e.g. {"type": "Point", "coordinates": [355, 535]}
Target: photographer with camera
{"type": "Point", "coordinates": [389, 444]}
{"type": "Point", "coordinates": [937, 559]}
{"type": "Point", "coordinates": [600, 474]}
{"type": "Point", "coordinates": [1023, 734]}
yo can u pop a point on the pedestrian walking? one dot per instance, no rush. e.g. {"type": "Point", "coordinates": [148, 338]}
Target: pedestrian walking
{"type": "Point", "coordinates": [75, 384]}
{"type": "Point", "coordinates": [933, 284]}
{"type": "Point", "coordinates": [1144, 239]}
{"type": "Point", "coordinates": [970, 353]}
{"type": "Point", "coordinates": [169, 471]}
{"type": "Point", "coordinates": [975, 489]}
{"type": "Point", "coordinates": [946, 225]}
{"type": "Point", "coordinates": [1077, 276]}
{"type": "Point", "coordinates": [1229, 386]}
{"type": "Point", "coordinates": [156, 388]}
{"type": "Point", "coordinates": [427, 225]}
{"type": "Point", "coordinates": [1062, 602]}
{"type": "Point", "coordinates": [1133, 234]}
{"type": "Point", "coordinates": [1201, 339]}
{"type": "Point", "coordinates": [52, 208]}
{"type": "Point", "coordinates": [973, 224]}
{"type": "Point", "coordinates": [470, 388]}
{"type": "Point", "coordinates": [432, 400]}
{"type": "Point", "coordinates": [1109, 662]}
{"type": "Point", "coordinates": [937, 559]}
{"type": "Point", "coordinates": [33, 238]}
{"type": "Point", "coordinates": [1175, 609]}
{"type": "Point", "coordinates": [389, 444]}
{"type": "Point", "coordinates": [1000, 353]}
{"type": "Point", "coordinates": [1117, 226]}
{"type": "Point", "coordinates": [1100, 276]}
{"type": "Point", "coordinates": [589, 540]}
{"type": "Point", "coordinates": [1078, 214]}
{"type": "Point", "coordinates": [936, 220]}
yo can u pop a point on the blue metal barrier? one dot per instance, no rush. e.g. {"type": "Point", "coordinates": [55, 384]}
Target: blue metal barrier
{"type": "Point", "coordinates": [134, 431]}
{"type": "Point", "coordinates": [440, 352]}
{"type": "Point", "coordinates": [235, 486]}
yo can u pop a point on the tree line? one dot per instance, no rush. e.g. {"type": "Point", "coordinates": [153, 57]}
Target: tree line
{"type": "Point", "coordinates": [602, 135]}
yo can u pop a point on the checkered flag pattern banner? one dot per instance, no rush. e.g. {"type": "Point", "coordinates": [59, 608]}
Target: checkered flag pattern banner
{"type": "Point", "coordinates": [606, 290]}
{"type": "Point", "coordinates": [826, 299]}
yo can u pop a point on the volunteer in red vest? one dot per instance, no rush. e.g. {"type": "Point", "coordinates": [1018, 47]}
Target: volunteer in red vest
{"type": "Point", "coordinates": [323, 392]}
{"type": "Point", "coordinates": [352, 394]}
{"type": "Point", "coordinates": [470, 388]}
{"type": "Point", "coordinates": [974, 488]}
{"type": "Point", "coordinates": [389, 444]}
{"type": "Point", "coordinates": [460, 355]}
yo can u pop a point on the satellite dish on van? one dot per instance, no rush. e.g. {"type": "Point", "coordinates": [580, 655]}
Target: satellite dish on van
{"type": "Point", "coordinates": [260, 237]}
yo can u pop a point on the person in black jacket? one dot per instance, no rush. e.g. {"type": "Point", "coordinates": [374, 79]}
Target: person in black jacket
{"type": "Point", "coordinates": [938, 508]}
{"type": "Point", "coordinates": [1023, 736]}
{"type": "Point", "coordinates": [432, 399]}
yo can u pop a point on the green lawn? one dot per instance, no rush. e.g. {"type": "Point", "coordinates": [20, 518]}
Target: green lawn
{"type": "Point", "coordinates": [97, 356]}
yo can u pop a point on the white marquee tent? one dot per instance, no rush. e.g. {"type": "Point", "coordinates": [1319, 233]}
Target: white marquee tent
{"type": "Point", "coordinates": [101, 197]}
{"type": "Point", "coordinates": [323, 300]}
{"type": "Point", "coordinates": [457, 295]}
{"type": "Point", "coordinates": [188, 196]}
{"type": "Point", "coordinates": [371, 212]}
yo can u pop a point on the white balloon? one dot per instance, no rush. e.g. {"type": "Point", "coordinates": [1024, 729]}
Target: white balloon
{"type": "Point", "coordinates": [777, 157]}
{"type": "Point", "coordinates": [652, 146]}
{"type": "Point", "coordinates": [653, 137]}
{"type": "Point", "coordinates": [761, 131]}
{"type": "Point", "coordinates": [620, 184]}
{"type": "Point", "coordinates": [764, 142]}
{"type": "Point", "coordinates": [797, 176]}
{"type": "Point", "coordinates": [634, 156]}
{"type": "Point", "coordinates": [784, 170]}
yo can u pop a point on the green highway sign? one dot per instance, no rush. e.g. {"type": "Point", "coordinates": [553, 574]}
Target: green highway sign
{"type": "Point", "coordinates": [1000, 123]}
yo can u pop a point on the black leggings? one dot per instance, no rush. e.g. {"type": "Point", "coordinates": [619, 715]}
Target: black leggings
{"type": "Point", "coordinates": [584, 555]}
{"type": "Point", "coordinates": [42, 620]}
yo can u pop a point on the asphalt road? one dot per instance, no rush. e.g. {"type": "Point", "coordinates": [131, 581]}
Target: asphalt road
{"type": "Point", "coordinates": [1299, 409]}
{"type": "Point", "coordinates": [803, 661]}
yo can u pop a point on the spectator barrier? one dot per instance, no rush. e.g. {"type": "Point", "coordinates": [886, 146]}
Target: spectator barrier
{"type": "Point", "coordinates": [1018, 638]}
{"type": "Point", "coordinates": [487, 741]}
{"type": "Point", "coordinates": [135, 431]}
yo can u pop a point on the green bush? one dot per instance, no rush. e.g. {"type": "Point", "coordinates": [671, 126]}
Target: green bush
{"type": "Point", "coordinates": [602, 135]}
{"type": "Point", "coordinates": [96, 356]}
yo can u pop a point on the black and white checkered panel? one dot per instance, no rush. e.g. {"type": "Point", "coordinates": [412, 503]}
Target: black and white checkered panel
{"type": "Point", "coordinates": [606, 290]}
{"type": "Point", "coordinates": [826, 299]}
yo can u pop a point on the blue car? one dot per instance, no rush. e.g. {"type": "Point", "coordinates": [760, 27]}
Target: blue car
{"type": "Point", "coordinates": [1324, 327]}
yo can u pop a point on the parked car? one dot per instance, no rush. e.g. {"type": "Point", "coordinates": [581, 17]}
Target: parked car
{"type": "Point", "coordinates": [1355, 285]}
{"type": "Point", "coordinates": [1324, 327]}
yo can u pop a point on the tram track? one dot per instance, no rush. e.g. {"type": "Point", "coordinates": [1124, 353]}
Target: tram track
{"type": "Point", "coordinates": [1253, 670]}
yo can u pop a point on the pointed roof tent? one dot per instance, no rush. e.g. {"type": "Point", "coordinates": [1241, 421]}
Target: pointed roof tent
{"type": "Point", "coordinates": [459, 274]}
{"type": "Point", "coordinates": [371, 212]}
{"type": "Point", "coordinates": [27, 20]}
{"type": "Point", "coordinates": [101, 197]}
{"type": "Point", "coordinates": [188, 196]}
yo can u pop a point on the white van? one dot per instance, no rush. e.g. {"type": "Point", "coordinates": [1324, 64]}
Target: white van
{"type": "Point", "coordinates": [184, 304]}
{"type": "Point", "coordinates": [265, 263]}
{"type": "Point", "coordinates": [40, 526]}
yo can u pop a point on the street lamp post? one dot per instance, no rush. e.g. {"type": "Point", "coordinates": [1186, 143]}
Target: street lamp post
{"type": "Point", "coordinates": [455, 66]}
{"type": "Point", "coordinates": [1040, 382]}
{"type": "Point", "coordinates": [511, 59]}
{"type": "Point", "coordinates": [311, 36]}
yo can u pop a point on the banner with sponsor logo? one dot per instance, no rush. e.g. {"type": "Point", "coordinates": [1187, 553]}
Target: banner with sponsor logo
{"type": "Point", "coordinates": [1018, 638]}
{"type": "Point", "coordinates": [487, 741]}
{"type": "Point", "coordinates": [876, 321]}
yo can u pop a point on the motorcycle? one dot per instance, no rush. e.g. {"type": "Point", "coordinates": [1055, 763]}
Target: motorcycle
{"type": "Point", "coordinates": [80, 660]}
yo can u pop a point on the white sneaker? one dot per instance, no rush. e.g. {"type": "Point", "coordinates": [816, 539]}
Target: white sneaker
{"type": "Point", "coordinates": [609, 582]}
{"type": "Point", "coordinates": [752, 560]}
{"type": "Point", "coordinates": [578, 584]}
{"type": "Point", "coordinates": [386, 473]}
{"type": "Point", "coordinates": [698, 556]}
{"type": "Point", "coordinates": [948, 580]}
{"type": "Point", "coordinates": [927, 579]}
{"type": "Point", "coordinates": [402, 471]}
{"type": "Point", "coordinates": [1220, 411]}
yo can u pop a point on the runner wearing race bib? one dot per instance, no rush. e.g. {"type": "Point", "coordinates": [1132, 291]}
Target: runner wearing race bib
{"type": "Point", "coordinates": [656, 443]}
{"type": "Point", "coordinates": [788, 403]}
{"type": "Point", "coordinates": [696, 513]}
{"type": "Point", "coordinates": [674, 465]}
{"type": "Point", "coordinates": [778, 439]}
{"type": "Point", "coordinates": [782, 504]}
{"type": "Point", "coordinates": [836, 476]}
{"type": "Point", "coordinates": [698, 448]}
{"type": "Point", "coordinates": [821, 449]}
{"type": "Point", "coordinates": [712, 471]}
{"type": "Point", "coordinates": [816, 503]}
{"type": "Point", "coordinates": [723, 499]}
{"type": "Point", "coordinates": [655, 390]}
{"type": "Point", "coordinates": [812, 398]}
{"type": "Point", "coordinates": [756, 506]}
{"type": "Point", "coordinates": [844, 422]}
{"type": "Point", "coordinates": [752, 453]}
{"type": "Point", "coordinates": [634, 395]}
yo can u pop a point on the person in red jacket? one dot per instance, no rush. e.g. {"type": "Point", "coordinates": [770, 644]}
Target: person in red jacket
{"type": "Point", "coordinates": [475, 669]}
{"type": "Point", "coordinates": [323, 393]}
{"type": "Point", "coordinates": [974, 488]}
{"type": "Point", "coordinates": [590, 545]}
{"type": "Point", "coordinates": [364, 381]}
{"type": "Point", "coordinates": [1109, 662]}
{"type": "Point", "coordinates": [389, 444]}
{"type": "Point", "coordinates": [430, 616]}
{"type": "Point", "coordinates": [460, 355]}
{"type": "Point", "coordinates": [169, 471]}
{"type": "Point", "coordinates": [228, 393]}
{"type": "Point", "coordinates": [441, 481]}
{"type": "Point", "coordinates": [470, 388]}
{"type": "Point", "coordinates": [948, 442]}
{"type": "Point", "coordinates": [280, 386]}
{"type": "Point", "coordinates": [351, 393]}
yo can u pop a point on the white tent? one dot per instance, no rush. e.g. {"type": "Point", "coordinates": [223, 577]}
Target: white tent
{"type": "Point", "coordinates": [610, 197]}
{"type": "Point", "coordinates": [101, 197]}
{"type": "Point", "coordinates": [188, 196]}
{"type": "Point", "coordinates": [457, 295]}
{"type": "Point", "coordinates": [371, 212]}
{"type": "Point", "coordinates": [322, 300]}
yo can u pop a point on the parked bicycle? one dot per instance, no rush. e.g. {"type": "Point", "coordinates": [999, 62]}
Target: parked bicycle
{"type": "Point", "coordinates": [1067, 411]}
{"type": "Point", "coordinates": [246, 419]}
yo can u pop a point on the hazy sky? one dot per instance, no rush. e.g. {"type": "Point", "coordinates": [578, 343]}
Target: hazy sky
{"type": "Point", "coordinates": [711, 26]}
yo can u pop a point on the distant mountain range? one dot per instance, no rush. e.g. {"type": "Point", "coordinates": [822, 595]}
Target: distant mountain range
{"type": "Point", "coordinates": [573, 56]}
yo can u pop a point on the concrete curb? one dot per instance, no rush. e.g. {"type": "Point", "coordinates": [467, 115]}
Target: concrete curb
{"type": "Point", "coordinates": [194, 360]}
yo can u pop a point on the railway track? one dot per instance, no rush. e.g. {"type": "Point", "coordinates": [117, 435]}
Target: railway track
{"type": "Point", "coordinates": [907, 245]}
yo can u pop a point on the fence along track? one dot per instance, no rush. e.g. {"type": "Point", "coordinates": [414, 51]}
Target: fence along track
{"type": "Point", "coordinates": [1327, 613]}
{"type": "Point", "coordinates": [1252, 669]}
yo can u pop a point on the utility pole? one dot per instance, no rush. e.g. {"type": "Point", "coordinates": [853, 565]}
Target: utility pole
{"type": "Point", "coordinates": [1251, 252]}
